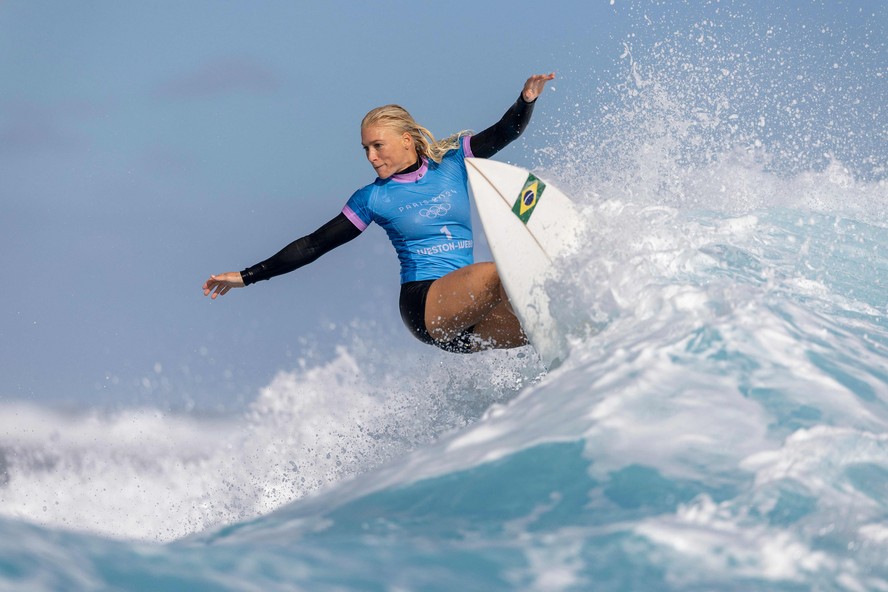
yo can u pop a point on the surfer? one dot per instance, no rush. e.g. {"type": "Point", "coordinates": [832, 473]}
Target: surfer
{"type": "Point", "coordinates": [420, 197]}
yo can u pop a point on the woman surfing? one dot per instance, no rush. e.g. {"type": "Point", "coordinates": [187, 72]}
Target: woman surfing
{"type": "Point", "coordinates": [421, 198]}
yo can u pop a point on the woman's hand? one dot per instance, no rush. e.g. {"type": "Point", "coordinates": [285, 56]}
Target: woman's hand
{"type": "Point", "coordinates": [534, 86]}
{"type": "Point", "coordinates": [220, 284]}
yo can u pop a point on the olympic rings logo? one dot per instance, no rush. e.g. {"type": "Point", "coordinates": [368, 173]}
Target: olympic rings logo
{"type": "Point", "coordinates": [435, 210]}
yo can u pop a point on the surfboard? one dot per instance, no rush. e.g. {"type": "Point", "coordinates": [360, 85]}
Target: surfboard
{"type": "Point", "coordinates": [529, 224]}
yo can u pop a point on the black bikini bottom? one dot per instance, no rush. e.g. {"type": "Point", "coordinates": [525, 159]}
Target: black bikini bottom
{"type": "Point", "coordinates": [413, 303]}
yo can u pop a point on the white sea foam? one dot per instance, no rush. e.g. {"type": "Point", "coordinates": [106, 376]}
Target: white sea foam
{"type": "Point", "coordinates": [148, 475]}
{"type": "Point", "coordinates": [726, 393]}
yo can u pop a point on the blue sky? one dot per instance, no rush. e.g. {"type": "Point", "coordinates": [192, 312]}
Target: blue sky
{"type": "Point", "coordinates": [145, 145]}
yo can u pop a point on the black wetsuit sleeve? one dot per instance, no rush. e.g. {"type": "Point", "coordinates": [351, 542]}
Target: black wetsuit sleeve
{"type": "Point", "coordinates": [487, 143]}
{"type": "Point", "coordinates": [303, 251]}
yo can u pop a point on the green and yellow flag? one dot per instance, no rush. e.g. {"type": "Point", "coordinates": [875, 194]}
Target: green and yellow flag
{"type": "Point", "coordinates": [528, 199]}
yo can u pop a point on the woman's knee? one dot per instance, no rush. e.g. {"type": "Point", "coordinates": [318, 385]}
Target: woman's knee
{"type": "Point", "coordinates": [490, 278]}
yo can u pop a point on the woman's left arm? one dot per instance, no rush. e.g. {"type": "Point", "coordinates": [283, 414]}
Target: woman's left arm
{"type": "Point", "coordinates": [490, 141]}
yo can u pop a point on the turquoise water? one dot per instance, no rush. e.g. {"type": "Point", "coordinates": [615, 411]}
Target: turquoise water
{"type": "Point", "coordinates": [725, 428]}
{"type": "Point", "coordinates": [721, 422]}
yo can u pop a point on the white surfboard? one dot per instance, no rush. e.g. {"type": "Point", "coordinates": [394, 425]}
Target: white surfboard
{"type": "Point", "coordinates": [529, 224]}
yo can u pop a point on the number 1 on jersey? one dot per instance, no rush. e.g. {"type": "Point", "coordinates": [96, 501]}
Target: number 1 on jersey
{"type": "Point", "coordinates": [446, 233]}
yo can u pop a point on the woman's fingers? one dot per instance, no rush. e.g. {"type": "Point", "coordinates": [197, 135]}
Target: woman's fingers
{"type": "Point", "coordinates": [535, 85]}
{"type": "Point", "coordinates": [215, 286]}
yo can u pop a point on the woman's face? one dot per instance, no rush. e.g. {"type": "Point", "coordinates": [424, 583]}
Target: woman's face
{"type": "Point", "coordinates": [387, 150]}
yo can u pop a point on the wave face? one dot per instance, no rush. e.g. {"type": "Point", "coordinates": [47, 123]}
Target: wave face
{"type": "Point", "coordinates": [721, 422]}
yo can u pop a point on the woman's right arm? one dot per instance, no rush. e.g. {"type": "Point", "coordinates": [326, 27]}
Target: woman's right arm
{"type": "Point", "coordinates": [303, 251]}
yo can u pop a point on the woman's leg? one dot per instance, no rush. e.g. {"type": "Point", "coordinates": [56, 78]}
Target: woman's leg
{"type": "Point", "coordinates": [472, 295]}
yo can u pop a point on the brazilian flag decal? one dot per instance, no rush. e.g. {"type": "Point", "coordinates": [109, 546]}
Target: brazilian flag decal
{"type": "Point", "coordinates": [530, 196]}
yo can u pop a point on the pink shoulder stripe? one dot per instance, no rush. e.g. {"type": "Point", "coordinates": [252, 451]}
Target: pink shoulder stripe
{"type": "Point", "coordinates": [355, 219]}
{"type": "Point", "coordinates": [467, 146]}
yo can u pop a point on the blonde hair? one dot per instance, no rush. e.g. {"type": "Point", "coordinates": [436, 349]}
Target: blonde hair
{"type": "Point", "coordinates": [398, 119]}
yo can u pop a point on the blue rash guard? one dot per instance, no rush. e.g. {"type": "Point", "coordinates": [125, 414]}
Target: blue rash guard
{"type": "Point", "coordinates": [425, 213]}
{"type": "Point", "coordinates": [424, 209]}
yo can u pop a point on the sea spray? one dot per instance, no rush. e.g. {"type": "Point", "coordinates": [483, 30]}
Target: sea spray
{"type": "Point", "coordinates": [149, 475]}
{"type": "Point", "coordinates": [720, 423]}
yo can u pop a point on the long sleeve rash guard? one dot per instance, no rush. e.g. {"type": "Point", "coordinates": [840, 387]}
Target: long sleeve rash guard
{"type": "Point", "coordinates": [341, 230]}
